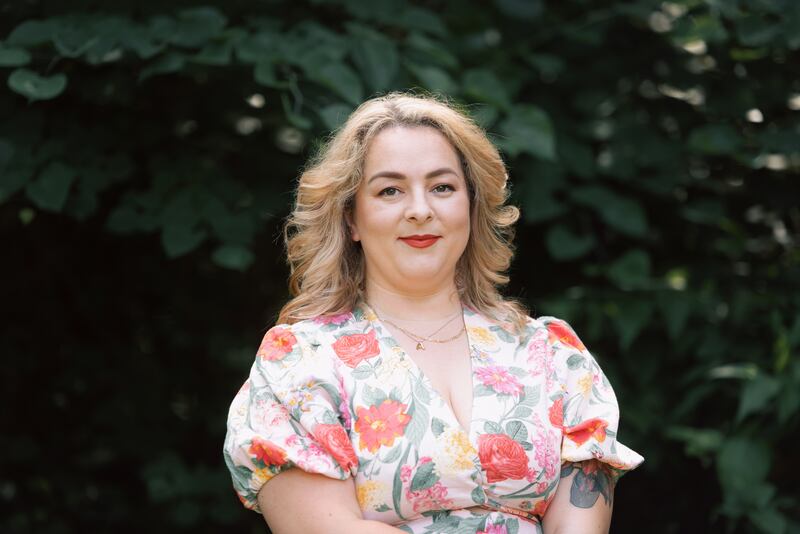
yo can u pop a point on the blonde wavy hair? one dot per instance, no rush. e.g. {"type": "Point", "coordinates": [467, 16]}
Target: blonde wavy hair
{"type": "Point", "coordinates": [328, 268]}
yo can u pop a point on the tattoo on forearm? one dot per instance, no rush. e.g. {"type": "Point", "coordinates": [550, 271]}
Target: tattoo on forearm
{"type": "Point", "coordinates": [590, 481]}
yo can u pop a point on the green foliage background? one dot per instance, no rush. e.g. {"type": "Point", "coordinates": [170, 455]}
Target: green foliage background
{"type": "Point", "coordinates": [147, 156]}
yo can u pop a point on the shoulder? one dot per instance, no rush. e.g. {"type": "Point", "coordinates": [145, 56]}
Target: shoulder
{"type": "Point", "coordinates": [559, 333]}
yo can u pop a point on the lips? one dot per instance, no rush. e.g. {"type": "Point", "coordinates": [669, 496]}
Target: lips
{"type": "Point", "coordinates": [420, 241]}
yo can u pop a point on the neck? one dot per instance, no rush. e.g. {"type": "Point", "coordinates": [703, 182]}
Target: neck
{"type": "Point", "coordinates": [418, 307]}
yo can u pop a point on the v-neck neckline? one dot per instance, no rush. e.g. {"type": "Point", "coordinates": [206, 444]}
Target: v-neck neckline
{"type": "Point", "coordinates": [375, 321]}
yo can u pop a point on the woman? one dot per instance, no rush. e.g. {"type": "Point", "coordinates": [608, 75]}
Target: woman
{"type": "Point", "coordinates": [406, 392]}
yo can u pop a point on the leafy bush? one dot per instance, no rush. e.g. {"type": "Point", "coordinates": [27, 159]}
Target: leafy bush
{"type": "Point", "coordinates": [653, 148]}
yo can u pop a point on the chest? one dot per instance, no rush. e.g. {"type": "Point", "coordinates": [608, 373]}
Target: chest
{"type": "Point", "coordinates": [448, 370]}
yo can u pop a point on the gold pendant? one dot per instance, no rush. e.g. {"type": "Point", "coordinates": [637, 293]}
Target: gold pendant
{"type": "Point", "coordinates": [420, 346]}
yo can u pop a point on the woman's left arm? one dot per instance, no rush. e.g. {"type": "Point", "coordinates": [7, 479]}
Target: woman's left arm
{"type": "Point", "coordinates": [583, 500]}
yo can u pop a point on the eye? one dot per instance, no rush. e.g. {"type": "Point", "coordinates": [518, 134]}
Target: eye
{"type": "Point", "coordinates": [388, 192]}
{"type": "Point", "coordinates": [443, 188]}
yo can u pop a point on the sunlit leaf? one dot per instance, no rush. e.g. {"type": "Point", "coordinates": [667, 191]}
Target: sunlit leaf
{"type": "Point", "coordinates": [36, 87]}
{"type": "Point", "coordinates": [32, 33]}
{"type": "Point", "coordinates": [13, 57]}
{"type": "Point", "coordinates": [236, 257]}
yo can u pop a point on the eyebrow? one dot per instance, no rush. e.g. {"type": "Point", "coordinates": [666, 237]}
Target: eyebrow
{"type": "Point", "coordinates": [401, 176]}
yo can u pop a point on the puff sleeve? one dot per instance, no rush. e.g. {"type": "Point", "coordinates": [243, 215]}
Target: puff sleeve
{"type": "Point", "coordinates": [587, 411]}
{"type": "Point", "coordinates": [292, 411]}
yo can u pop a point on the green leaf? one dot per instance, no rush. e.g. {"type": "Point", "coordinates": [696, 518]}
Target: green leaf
{"type": "Point", "coordinates": [32, 33]}
{"type": "Point", "coordinates": [631, 270]}
{"type": "Point", "coordinates": [393, 455]}
{"type": "Point", "coordinates": [195, 26]}
{"type": "Point", "coordinates": [424, 478]}
{"type": "Point", "coordinates": [715, 139]}
{"type": "Point", "coordinates": [166, 64]}
{"type": "Point", "coordinates": [433, 78]}
{"type": "Point", "coordinates": [742, 464]}
{"type": "Point", "coordinates": [521, 9]}
{"type": "Point", "coordinates": [437, 426]}
{"type": "Point", "coordinates": [478, 496]}
{"type": "Point", "coordinates": [619, 212]}
{"type": "Point", "coordinates": [768, 520]}
{"type": "Point", "coordinates": [375, 56]}
{"type": "Point", "coordinates": [756, 393]}
{"type": "Point", "coordinates": [490, 427]}
{"type": "Point", "coordinates": [528, 129]}
{"type": "Point", "coordinates": [217, 53]}
{"type": "Point", "coordinates": [419, 424]}
{"type": "Point", "coordinates": [484, 86]}
{"type": "Point", "coordinates": [423, 49]}
{"type": "Point", "coordinates": [13, 57]}
{"type": "Point", "coordinates": [564, 245]}
{"type": "Point", "coordinates": [756, 30]}
{"type": "Point", "coordinates": [50, 189]}
{"type": "Point", "coordinates": [179, 238]}
{"type": "Point", "coordinates": [235, 257]}
{"type": "Point", "coordinates": [575, 361]}
{"type": "Point", "coordinates": [264, 73]}
{"type": "Point", "coordinates": [35, 87]}
{"type": "Point", "coordinates": [698, 442]}
{"type": "Point", "coordinates": [676, 306]}
{"type": "Point", "coordinates": [631, 318]}
{"type": "Point", "coordinates": [334, 115]}
{"type": "Point", "coordinates": [516, 431]}
{"type": "Point", "coordinates": [341, 80]}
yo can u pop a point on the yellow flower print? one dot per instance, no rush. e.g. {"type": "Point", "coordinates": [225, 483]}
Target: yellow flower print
{"type": "Point", "coordinates": [454, 453]}
{"type": "Point", "coordinates": [481, 336]}
{"type": "Point", "coordinates": [585, 385]}
{"type": "Point", "coordinates": [369, 493]}
{"type": "Point", "coordinates": [260, 477]}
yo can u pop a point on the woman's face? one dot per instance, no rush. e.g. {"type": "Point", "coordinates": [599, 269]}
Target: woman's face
{"type": "Point", "coordinates": [411, 211]}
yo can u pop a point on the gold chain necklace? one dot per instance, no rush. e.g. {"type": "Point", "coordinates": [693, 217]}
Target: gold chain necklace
{"type": "Point", "coordinates": [429, 338]}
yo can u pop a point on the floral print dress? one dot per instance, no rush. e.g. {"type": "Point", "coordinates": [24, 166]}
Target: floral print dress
{"type": "Point", "coordinates": [338, 396]}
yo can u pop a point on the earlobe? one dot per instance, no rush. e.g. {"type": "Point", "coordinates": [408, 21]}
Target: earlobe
{"type": "Point", "coordinates": [351, 227]}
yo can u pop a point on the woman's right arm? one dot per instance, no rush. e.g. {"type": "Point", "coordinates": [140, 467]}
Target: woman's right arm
{"type": "Point", "coordinates": [296, 501]}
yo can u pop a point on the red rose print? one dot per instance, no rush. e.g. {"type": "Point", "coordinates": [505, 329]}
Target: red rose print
{"type": "Point", "coordinates": [556, 413]}
{"type": "Point", "coordinates": [591, 428]}
{"type": "Point", "coordinates": [559, 331]}
{"type": "Point", "coordinates": [267, 452]}
{"type": "Point", "coordinates": [502, 457]}
{"type": "Point", "coordinates": [276, 344]}
{"type": "Point", "coordinates": [334, 439]}
{"type": "Point", "coordinates": [355, 348]}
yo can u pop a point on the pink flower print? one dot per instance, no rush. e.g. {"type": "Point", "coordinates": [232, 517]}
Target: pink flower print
{"type": "Point", "coordinates": [433, 497]}
{"type": "Point", "coordinates": [539, 353]}
{"type": "Point", "coordinates": [494, 529]}
{"type": "Point", "coordinates": [336, 320]}
{"type": "Point", "coordinates": [499, 379]}
{"type": "Point", "coordinates": [545, 454]}
{"type": "Point", "coordinates": [344, 409]}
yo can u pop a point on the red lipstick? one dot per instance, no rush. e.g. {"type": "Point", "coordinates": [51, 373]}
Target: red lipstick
{"type": "Point", "coordinates": [420, 241]}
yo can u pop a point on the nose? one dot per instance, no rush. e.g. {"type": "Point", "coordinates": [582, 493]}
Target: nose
{"type": "Point", "coordinates": [418, 208]}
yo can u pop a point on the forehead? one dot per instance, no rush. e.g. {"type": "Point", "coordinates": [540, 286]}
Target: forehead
{"type": "Point", "coordinates": [412, 147]}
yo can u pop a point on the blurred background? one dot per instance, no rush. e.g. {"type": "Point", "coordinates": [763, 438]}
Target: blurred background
{"type": "Point", "coordinates": [148, 152]}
